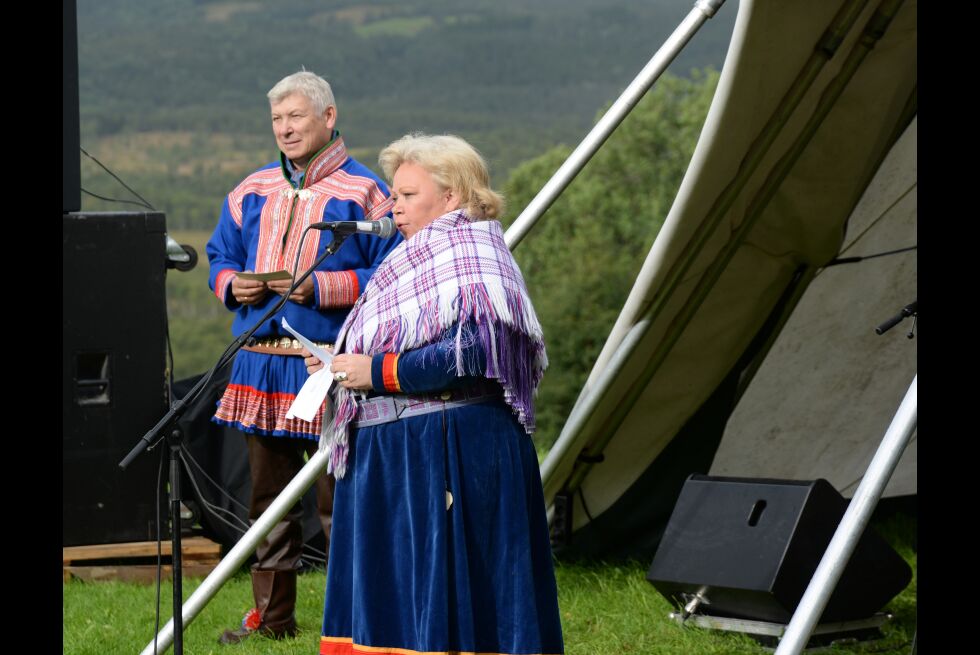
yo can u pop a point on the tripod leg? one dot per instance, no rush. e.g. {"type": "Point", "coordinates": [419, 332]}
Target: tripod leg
{"type": "Point", "coordinates": [174, 442]}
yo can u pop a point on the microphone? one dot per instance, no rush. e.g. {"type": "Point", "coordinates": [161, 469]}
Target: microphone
{"type": "Point", "coordinates": [383, 227]}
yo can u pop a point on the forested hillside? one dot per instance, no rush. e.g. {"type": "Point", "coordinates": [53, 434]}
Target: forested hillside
{"type": "Point", "coordinates": [172, 95]}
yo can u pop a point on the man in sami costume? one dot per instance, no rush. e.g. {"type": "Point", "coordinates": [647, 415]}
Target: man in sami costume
{"type": "Point", "coordinates": [260, 229]}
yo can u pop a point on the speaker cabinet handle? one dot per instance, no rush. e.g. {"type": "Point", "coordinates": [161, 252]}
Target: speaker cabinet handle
{"type": "Point", "coordinates": [756, 513]}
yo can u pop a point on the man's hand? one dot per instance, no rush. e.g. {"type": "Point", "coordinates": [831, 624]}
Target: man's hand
{"type": "Point", "coordinates": [313, 363]}
{"type": "Point", "coordinates": [248, 292]}
{"type": "Point", "coordinates": [301, 295]}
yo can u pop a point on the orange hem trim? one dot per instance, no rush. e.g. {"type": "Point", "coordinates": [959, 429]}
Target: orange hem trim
{"type": "Point", "coordinates": [346, 646]}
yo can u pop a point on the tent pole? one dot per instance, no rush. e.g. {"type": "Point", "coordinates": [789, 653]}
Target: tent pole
{"type": "Point", "coordinates": [873, 31]}
{"type": "Point", "coordinates": [703, 10]}
{"type": "Point", "coordinates": [824, 50]}
{"type": "Point", "coordinates": [852, 525]}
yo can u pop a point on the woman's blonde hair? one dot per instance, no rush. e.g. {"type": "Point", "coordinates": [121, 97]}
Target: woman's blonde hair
{"type": "Point", "coordinates": [453, 164]}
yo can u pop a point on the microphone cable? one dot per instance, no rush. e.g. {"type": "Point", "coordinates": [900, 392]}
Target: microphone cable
{"type": "Point", "coordinates": [144, 203]}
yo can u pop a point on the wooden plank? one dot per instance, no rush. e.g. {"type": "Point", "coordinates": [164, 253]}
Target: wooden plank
{"type": "Point", "coordinates": [139, 573]}
{"type": "Point", "coordinates": [191, 548]}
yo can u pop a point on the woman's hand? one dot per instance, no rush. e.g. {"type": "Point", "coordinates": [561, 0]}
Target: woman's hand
{"type": "Point", "coordinates": [352, 371]}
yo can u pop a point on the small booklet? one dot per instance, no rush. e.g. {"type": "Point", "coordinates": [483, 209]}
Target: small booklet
{"type": "Point", "coordinates": [310, 397]}
{"type": "Point", "coordinates": [265, 277]}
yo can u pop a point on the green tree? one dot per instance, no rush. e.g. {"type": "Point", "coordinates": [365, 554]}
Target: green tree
{"type": "Point", "coordinates": [582, 257]}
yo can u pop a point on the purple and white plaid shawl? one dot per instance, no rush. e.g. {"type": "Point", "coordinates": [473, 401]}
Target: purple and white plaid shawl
{"type": "Point", "coordinates": [453, 270]}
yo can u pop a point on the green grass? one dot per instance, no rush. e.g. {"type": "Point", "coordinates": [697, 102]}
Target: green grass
{"type": "Point", "coordinates": [611, 608]}
{"type": "Point", "coordinates": [605, 608]}
{"type": "Point", "coordinates": [105, 618]}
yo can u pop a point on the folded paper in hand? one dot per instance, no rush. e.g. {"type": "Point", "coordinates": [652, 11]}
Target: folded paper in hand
{"type": "Point", "coordinates": [265, 277]}
{"type": "Point", "coordinates": [310, 397]}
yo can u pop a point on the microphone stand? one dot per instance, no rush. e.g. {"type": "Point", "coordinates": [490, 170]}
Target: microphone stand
{"type": "Point", "coordinates": [177, 410]}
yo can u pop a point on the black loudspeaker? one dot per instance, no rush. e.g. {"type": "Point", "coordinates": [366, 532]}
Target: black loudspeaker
{"type": "Point", "coordinates": [749, 547]}
{"type": "Point", "coordinates": [114, 356]}
{"type": "Point", "coordinates": [71, 195]}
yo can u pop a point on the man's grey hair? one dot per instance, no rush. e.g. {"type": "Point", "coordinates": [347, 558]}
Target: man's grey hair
{"type": "Point", "coordinates": [310, 85]}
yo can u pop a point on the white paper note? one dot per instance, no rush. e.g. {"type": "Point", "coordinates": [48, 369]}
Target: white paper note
{"type": "Point", "coordinates": [310, 397]}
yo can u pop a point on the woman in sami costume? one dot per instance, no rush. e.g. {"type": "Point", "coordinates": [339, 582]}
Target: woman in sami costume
{"type": "Point", "coordinates": [440, 541]}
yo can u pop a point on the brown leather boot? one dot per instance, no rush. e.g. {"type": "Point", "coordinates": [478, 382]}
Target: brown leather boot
{"type": "Point", "coordinates": [274, 612]}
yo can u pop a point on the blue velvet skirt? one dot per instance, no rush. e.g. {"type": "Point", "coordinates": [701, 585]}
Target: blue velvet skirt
{"type": "Point", "coordinates": [408, 574]}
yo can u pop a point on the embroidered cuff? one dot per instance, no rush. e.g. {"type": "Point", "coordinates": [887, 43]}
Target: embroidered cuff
{"type": "Point", "coordinates": [221, 285]}
{"type": "Point", "coordinates": [384, 372]}
{"type": "Point", "coordinates": [336, 288]}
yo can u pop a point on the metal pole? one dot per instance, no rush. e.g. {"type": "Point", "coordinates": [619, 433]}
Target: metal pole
{"type": "Point", "coordinates": [703, 10]}
{"type": "Point", "coordinates": [852, 525]}
{"type": "Point", "coordinates": [584, 409]}
{"type": "Point", "coordinates": [245, 546]}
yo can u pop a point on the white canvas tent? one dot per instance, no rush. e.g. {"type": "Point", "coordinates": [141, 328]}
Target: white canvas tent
{"type": "Point", "coordinates": [829, 384]}
{"type": "Point", "coordinates": [811, 100]}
